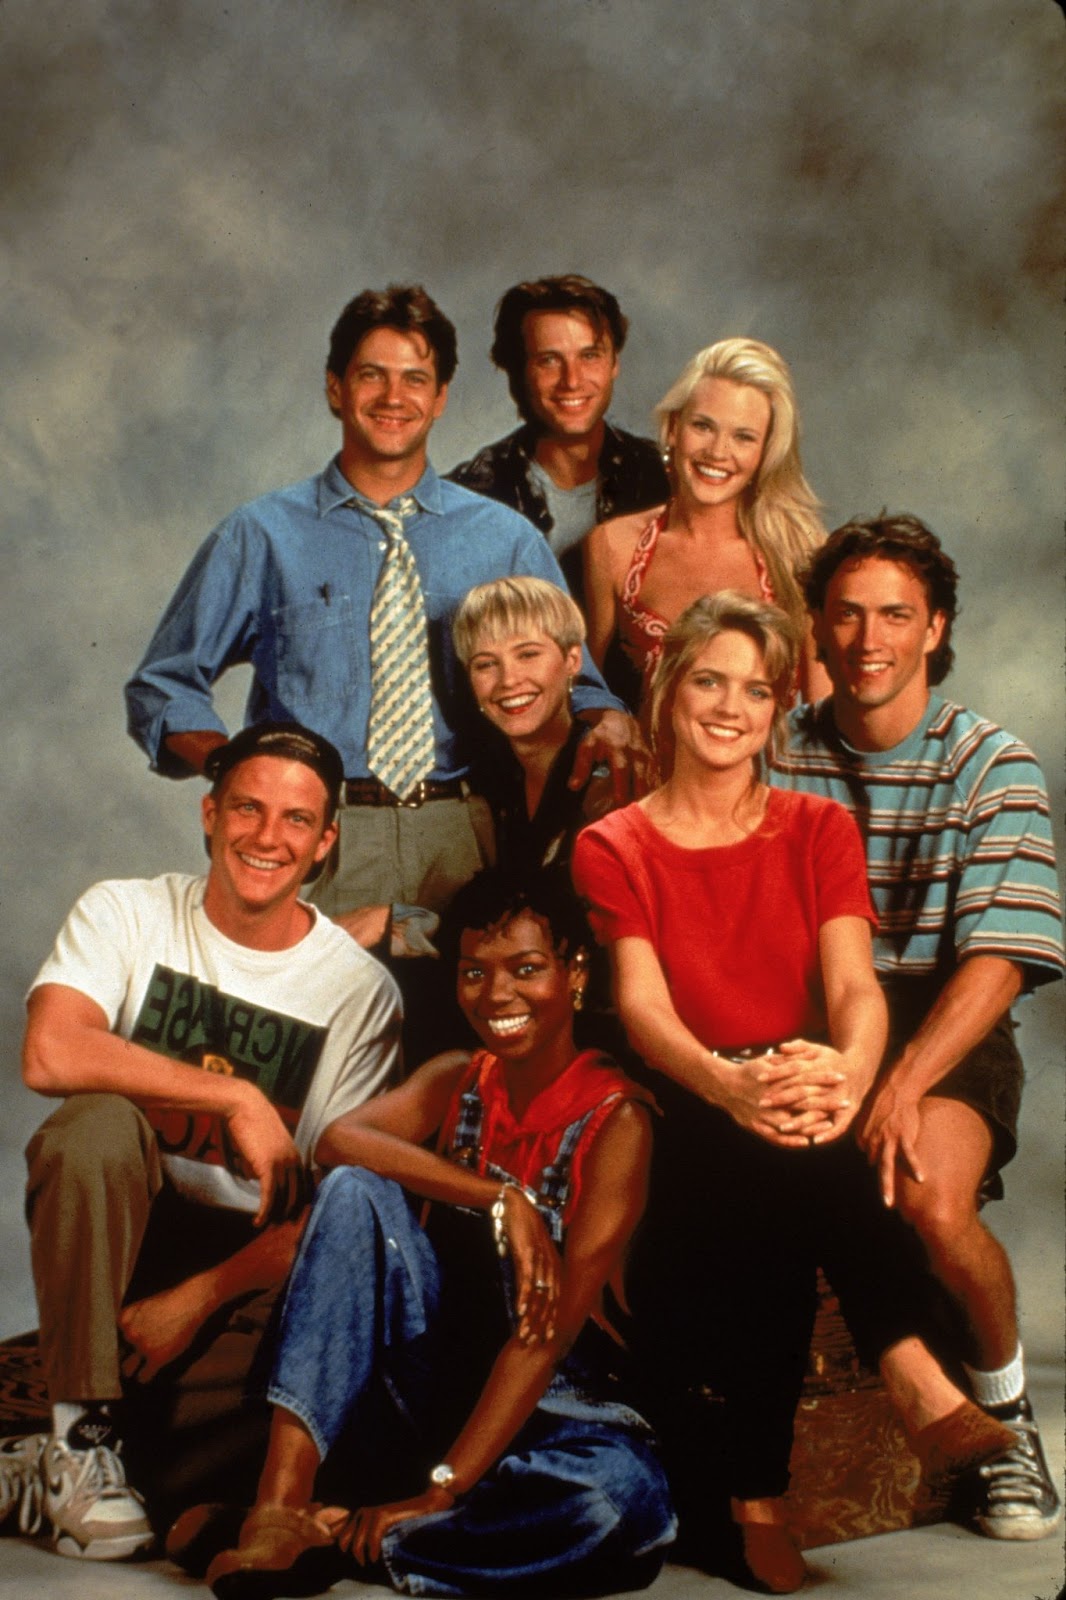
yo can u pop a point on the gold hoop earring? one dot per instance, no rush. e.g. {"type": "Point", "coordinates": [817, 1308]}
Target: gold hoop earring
{"type": "Point", "coordinates": [577, 998]}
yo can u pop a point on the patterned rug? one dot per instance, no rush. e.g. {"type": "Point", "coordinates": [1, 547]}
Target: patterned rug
{"type": "Point", "coordinates": [853, 1473]}
{"type": "Point", "coordinates": [23, 1401]}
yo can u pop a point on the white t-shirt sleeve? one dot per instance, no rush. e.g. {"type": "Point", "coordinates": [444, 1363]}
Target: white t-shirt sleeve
{"type": "Point", "coordinates": [96, 947]}
{"type": "Point", "coordinates": [363, 1054]}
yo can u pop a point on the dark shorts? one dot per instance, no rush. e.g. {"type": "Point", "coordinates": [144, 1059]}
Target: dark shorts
{"type": "Point", "coordinates": [989, 1079]}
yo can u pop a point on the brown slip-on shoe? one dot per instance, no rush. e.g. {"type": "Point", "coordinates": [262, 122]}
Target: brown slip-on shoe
{"type": "Point", "coordinates": [282, 1550]}
{"type": "Point", "coordinates": [771, 1562]}
{"type": "Point", "coordinates": [201, 1533]}
{"type": "Point", "coordinates": [960, 1441]}
{"type": "Point", "coordinates": [772, 1558]}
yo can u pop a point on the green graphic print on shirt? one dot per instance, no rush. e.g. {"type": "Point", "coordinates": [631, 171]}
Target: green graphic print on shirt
{"type": "Point", "coordinates": [191, 1021]}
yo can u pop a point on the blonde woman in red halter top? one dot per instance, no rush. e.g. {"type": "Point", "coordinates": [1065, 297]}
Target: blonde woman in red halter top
{"type": "Point", "coordinates": [740, 516]}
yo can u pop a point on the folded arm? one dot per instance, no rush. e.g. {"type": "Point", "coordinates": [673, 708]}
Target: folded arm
{"type": "Point", "coordinates": [69, 1049]}
{"type": "Point", "coordinates": [387, 1135]}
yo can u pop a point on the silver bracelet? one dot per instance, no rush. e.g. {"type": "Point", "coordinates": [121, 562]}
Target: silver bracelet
{"type": "Point", "coordinates": [498, 1212]}
{"type": "Point", "coordinates": [499, 1223]}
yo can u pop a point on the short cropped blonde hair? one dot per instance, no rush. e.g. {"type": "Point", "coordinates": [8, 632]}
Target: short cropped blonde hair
{"type": "Point", "coordinates": [508, 606]}
{"type": "Point", "coordinates": [728, 611]}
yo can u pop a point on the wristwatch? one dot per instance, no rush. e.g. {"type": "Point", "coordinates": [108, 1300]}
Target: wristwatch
{"type": "Point", "coordinates": [442, 1477]}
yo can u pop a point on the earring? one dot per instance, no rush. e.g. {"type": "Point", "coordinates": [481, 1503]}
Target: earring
{"type": "Point", "coordinates": [577, 993]}
{"type": "Point", "coordinates": [668, 456]}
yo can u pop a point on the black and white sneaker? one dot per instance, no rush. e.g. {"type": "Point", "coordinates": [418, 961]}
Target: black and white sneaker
{"type": "Point", "coordinates": [1014, 1497]}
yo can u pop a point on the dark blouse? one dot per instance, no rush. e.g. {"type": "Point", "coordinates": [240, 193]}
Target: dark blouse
{"type": "Point", "coordinates": [547, 837]}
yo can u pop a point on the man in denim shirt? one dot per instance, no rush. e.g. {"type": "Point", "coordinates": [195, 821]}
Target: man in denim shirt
{"type": "Point", "coordinates": [566, 469]}
{"type": "Point", "coordinates": [286, 583]}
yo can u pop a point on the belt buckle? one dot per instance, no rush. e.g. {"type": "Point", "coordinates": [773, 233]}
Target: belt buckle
{"type": "Point", "coordinates": [416, 798]}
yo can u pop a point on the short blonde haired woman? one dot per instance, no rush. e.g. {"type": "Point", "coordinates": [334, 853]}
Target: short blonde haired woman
{"type": "Point", "coordinates": [520, 640]}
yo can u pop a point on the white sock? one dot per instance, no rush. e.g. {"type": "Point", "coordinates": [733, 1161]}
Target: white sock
{"type": "Point", "coordinates": [65, 1413]}
{"type": "Point", "coordinates": [998, 1388]}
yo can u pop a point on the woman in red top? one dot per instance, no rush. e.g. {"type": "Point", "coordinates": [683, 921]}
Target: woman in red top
{"type": "Point", "coordinates": [480, 1341]}
{"type": "Point", "coordinates": [739, 923]}
{"type": "Point", "coordinates": [740, 515]}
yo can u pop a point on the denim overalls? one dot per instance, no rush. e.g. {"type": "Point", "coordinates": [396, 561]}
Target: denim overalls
{"type": "Point", "coordinates": [577, 1504]}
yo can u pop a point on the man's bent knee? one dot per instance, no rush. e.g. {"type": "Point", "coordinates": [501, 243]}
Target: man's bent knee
{"type": "Point", "coordinates": [90, 1135]}
{"type": "Point", "coordinates": [941, 1216]}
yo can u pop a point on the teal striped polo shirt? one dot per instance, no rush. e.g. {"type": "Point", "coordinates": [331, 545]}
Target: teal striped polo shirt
{"type": "Point", "coordinates": [959, 850]}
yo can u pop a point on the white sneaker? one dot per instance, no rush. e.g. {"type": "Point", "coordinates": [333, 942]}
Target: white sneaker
{"type": "Point", "coordinates": [94, 1513]}
{"type": "Point", "coordinates": [21, 1489]}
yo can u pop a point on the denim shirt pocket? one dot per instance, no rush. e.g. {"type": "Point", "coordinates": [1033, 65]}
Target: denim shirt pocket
{"type": "Point", "coordinates": [314, 656]}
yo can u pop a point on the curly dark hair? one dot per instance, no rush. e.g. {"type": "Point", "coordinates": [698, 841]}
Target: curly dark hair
{"type": "Point", "coordinates": [495, 896]}
{"type": "Point", "coordinates": [571, 292]}
{"type": "Point", "coordinates": [406, 307]}
{"type": "Point", "coordinates": [903, 539]}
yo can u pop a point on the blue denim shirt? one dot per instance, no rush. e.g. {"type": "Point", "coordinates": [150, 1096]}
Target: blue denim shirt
{"type": "Point", "coordinates": [286, 582]}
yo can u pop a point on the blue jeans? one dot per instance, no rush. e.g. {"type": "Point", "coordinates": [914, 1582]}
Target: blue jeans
{"type": "Point", "coordinates": [578, 1504]}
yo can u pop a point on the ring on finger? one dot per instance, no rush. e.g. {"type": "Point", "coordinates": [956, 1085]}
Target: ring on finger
{"type": "Point", "coordinates": [541, 1284]}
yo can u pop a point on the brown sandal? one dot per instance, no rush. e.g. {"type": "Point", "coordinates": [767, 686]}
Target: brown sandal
{"type": "Point", "coordinates": [283, 1550]}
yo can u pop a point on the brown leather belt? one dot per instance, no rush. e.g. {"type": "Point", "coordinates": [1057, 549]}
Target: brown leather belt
{"type": "Point", "coordinates": [372, 792]}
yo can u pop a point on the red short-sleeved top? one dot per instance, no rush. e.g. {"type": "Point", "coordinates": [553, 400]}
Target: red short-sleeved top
{"type": "Point", "coordinates": [736, 928]}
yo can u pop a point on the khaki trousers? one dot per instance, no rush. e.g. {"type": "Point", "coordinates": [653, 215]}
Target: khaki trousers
{"type": "Point", "coordinates": [104, 1227]}
{"type": "Point", "coordinates": [409, 855]}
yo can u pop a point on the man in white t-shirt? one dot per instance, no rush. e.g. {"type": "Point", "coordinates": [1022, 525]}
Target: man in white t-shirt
{"type": "Point", "coordinates": [205, 1034]}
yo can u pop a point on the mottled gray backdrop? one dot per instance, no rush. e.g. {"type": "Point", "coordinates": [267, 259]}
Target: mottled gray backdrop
{"type": "Point", "coordinates": [192, 190]}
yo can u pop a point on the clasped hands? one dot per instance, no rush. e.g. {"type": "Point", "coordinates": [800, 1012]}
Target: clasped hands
{"type": "Point", "coordinates": [803, 1093]}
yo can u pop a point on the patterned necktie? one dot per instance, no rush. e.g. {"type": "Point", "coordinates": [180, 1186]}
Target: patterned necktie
{"type": "Point", "coordinates": [399, 742]}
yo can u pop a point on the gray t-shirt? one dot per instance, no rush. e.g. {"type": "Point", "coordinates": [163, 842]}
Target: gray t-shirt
{"type": "Point", "coordinates": [573, 511]}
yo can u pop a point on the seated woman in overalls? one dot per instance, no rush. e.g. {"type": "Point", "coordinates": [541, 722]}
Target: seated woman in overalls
{"type": "Point", "coordinates": [465, 1367]}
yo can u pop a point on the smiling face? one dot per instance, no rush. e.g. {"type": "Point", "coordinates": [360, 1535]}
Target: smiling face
{"type": "Point", "coordinates": [875, 634]}
{"type": "Point", "coordinates": [521, 684]}
{"type": "Point", "coordinates": [724, 707]}
{"type": "Point", "coordinates": [516, 991]}
{"type": "Point", "coordinates": [388, 399]}
{"type": "Point", "coordinates": [570, 372]}
{"type": "Point", "coordinates": [718, 439]}
{"type": "Point", "coordinates": [266, 829]}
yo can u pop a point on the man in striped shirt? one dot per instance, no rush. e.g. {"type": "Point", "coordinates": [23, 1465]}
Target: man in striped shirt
{"type": "Point", "coordinates": [961, 864]}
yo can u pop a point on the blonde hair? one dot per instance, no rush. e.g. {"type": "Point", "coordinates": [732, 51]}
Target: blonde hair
{"type": "Point", "coordinates": [779, 512]}
{"type": "Point", "coordinates": [498, 610]}
{"type": "Point", "coordinates": [769, 627]}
